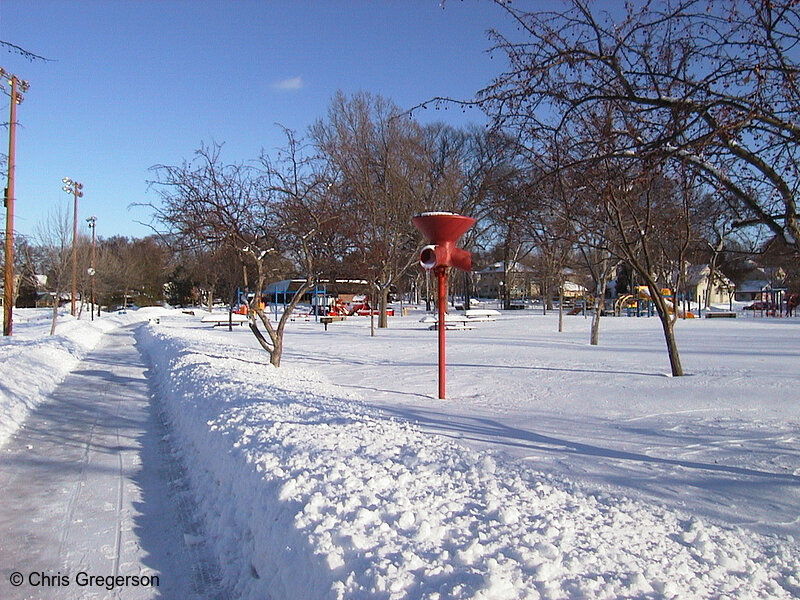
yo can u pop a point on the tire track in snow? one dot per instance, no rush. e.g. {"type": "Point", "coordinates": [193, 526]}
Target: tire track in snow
{"type": "Point", "coordinates": [83, 489]}
{"type": "Point", "coordinates": [69, 515]}
{"type": "Point", "coordinates": [120, 489]}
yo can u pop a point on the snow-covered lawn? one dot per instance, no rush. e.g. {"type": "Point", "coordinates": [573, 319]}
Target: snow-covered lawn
{"type": "Point", "coordinates": [554, 470]}
{"type": "Point", "coordinates": [722, 441]}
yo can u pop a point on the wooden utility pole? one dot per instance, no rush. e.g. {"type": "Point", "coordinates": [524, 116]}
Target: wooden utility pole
{"type": "Point", "coordinates": [8, 277]}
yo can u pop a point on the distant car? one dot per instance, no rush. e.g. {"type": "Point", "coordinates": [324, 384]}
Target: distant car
{"type": "Point", "coordinates": [761, 306]}
{"type": "Point", "coordinates": [127, 307]}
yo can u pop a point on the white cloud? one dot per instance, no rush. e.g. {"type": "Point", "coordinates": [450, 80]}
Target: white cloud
{"type": "Point", "coordinates": [288, 85]}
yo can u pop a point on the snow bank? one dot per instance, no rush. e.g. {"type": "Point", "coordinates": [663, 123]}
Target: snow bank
{"type": "Point", "coordinates": [34, 362]}
{"type": "Point", "coordinates": [308, 494]}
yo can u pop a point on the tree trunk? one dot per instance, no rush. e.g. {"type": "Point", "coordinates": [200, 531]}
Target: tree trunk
{"type": "Point", "coordinates": [712, 275]}
{"type": "Point", "coordinates": [467, 290]}
{"type": "Point", "coordinates": [383, 306]}
{"type": "Point", "coordinates": [427, 290]}
{"type": "Point", "coordinates": [277, 352]}
{"type": "Point", "coordinates": [371, 304]}
{"type": "Point", "coordinates": [684, 286]}
{"type": "Point", "coordinates": [668, 325]}
{"type": "Point", "coordinates": [55, 314]}
{"type": "Point", "coordinates": [594, 336]}
{"type": "Point", "coordinates": [545, 294]}
{"type": "Point", "coordinates": [561, 307]}
{"type": "Point", "coordinates": [263, 342]}
{"type": "Point", "coordinates": [273, 345]}
{"type": "Point", "coordinates": [506, 291]}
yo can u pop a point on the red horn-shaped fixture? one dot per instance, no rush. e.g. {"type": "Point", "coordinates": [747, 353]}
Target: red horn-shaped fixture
{"type": "Point", "coordinates": [442, 230]}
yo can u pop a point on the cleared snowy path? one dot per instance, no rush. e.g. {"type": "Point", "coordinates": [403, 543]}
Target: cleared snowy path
{"type": "Point", "coordinates": [89, 489]}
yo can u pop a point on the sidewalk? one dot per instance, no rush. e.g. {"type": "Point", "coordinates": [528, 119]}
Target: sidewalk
{"type": "Point", "coordinates": [91, 505]}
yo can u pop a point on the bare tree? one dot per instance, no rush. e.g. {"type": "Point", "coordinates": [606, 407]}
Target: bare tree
{"type": "Point", "coordinates": [261, 213]}
{"type": "Point", "coordinates": [711, 84]}
{"type": "Point", "coordinates": [116, 270]}
{"type": "Point", "coordinates": [54, 237]}
{"type": "Point", "coordinates": [641, 217]}
{"type": "Point", "coordinates": [128, 270]}
{"type": "Point", "coordinates": [384, 179]}
{"type": "Point", "coordinates": [547, 227]}
{"type": "Point", "coordinates": [505, 205]}
{"type": "Point", "coordinates": [601, 265]}
{"type": "Point", "coordinates": [489, 167]}
{"type": "Point", "coordinates": [717, 236]}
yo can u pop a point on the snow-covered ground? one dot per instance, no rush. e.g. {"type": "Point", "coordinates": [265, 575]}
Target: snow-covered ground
{"type": "Point", "coordinates": [553, 470]}
{"type": "Point", "coordinates": [722, 441]}
{"type": "Point", "coordinates": [34, 362]}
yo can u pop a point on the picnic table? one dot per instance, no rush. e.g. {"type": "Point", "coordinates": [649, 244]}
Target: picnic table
{"type": "Point", "coordinates": [217, 319]}
{"type": "Point", "coordinates": [482, 314]}
{"type": "Point", "coordinates": [450, 322]}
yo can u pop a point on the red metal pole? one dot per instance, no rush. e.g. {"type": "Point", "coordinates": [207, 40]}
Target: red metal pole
{"type": "Point", "coordinates": [441, 280]}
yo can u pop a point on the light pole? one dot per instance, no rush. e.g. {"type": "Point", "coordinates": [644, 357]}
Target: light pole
{"type": "Point", "coordinates": [92, 222]}
{"type": "Point", "coordinates": [74, 188]}
{"type": "Point", "coordinates": [8, 277]}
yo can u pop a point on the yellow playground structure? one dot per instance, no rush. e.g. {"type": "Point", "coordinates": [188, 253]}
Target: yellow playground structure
{"type": "Point", "coordinates": [641, 302]}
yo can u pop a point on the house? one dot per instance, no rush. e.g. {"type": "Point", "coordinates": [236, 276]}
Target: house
{"type": "Point", "coordinates": [698, 284]}
{"type": "Point", "coordinates": [759, 282]}
{"type": "Point", "coordinates": [30, 291]}
{"type": "Point", "coordinates": [491, 281]}
{"type": "Point", "coordinates": [572, 290]}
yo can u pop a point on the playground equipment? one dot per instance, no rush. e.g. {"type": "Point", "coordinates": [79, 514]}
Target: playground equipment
{"type": "Point", "coordinates": [340, 308]}
{"type": "Point", "coordinates": [775, 302]}
{"type": "Point", "coordinates": [633, 301]}
{"type": "Point", "coordinates": [442, 230]}
{"type": "Point", "coordinates": [362, 308]}
{"type": "Point", "coordinates": [241, 302]}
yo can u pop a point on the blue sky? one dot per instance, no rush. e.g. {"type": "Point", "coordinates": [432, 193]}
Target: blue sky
{"type": "Point", "coordinates": [137, 83]}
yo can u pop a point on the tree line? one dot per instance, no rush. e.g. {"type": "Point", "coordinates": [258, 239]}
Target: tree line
{"type": "Point", "coordinates": [648, 138]}
{"type": "Point", "coordinates": [124, 271]}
